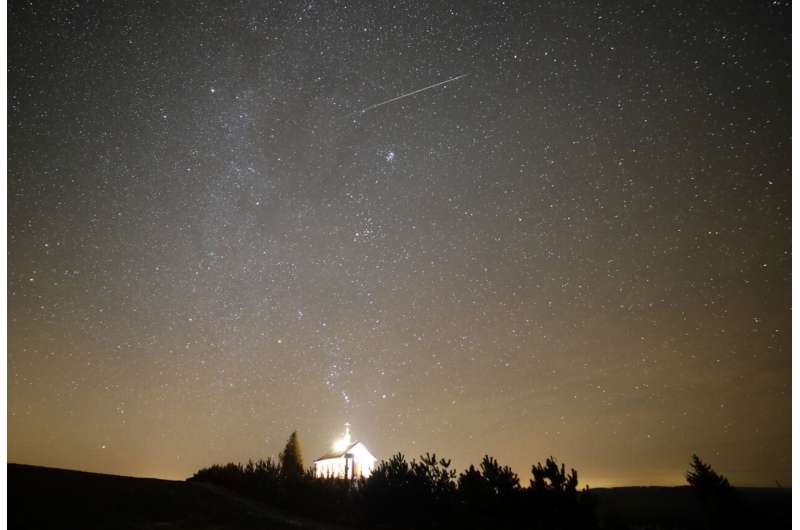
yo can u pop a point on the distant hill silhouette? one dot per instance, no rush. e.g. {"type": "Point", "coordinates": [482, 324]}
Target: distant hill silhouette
{"type": "Point", "coordinates": [680, 507]}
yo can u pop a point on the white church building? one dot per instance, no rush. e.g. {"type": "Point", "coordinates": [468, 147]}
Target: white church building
{"type": "Point", "coordinates": [348, 459]}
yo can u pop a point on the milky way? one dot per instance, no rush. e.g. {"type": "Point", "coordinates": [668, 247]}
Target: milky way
{"type": "Point", "coordinates": [581, 249]}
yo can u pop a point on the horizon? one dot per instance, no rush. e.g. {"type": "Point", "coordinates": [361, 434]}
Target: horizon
{"type": "Point", "coordinates": [524, 476]}
{"type": "Point", "coordinates": [525, 230]}
{"type": "Point", "coordinates": [524, 480]}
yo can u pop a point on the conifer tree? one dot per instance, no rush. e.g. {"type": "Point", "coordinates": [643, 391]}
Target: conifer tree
{"type": "Point", "coordinates": [705, 479]}
{"type": "Point", "coordinates": [292, 458]}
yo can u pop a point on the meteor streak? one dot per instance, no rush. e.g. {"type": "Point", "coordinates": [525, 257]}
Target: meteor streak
{"type": "Point", "coordinates": [382, 103]}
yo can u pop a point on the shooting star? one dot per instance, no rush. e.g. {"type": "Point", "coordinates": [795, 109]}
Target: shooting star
{"type": "Point", "coordinates": [382, 103]}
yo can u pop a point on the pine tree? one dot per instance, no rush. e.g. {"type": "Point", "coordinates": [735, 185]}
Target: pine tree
{"type": "Point", "coordinates": [292, 459]}
{"type": "Point", "coordinates": [550, 478]}
{"type": "Point", "coordinates": [705, 479]}
{"type": "Point", "coordinates": [501, 479]}
{"type": "Point", "coordinates": [721, 504]}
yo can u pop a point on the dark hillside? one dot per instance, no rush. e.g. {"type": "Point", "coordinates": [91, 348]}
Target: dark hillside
{"type": "Point", "coordinates": [44, 498]}
{"type": "Point", "coordinates": [47, 498]}
{"type": "Point", "coordinates": [679, 507]}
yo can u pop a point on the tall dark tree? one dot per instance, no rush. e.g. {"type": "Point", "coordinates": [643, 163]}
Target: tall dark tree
{"type": "Point", "coordinates": [292, 459]}
{"type": "Point", "coordinates": [722, 507]}
{"type": "Point", "coordinates": [705, 479]}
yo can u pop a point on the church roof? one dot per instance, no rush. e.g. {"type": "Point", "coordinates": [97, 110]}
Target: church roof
{"type": "Point", "coordinates": [337, 454]}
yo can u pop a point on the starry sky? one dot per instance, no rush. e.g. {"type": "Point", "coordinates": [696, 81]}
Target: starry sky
{"type": "Point", "coordinates": [218, 234]}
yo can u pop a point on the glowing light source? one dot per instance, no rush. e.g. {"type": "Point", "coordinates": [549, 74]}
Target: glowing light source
{"type": "Point", "coordinates": [342, 443]}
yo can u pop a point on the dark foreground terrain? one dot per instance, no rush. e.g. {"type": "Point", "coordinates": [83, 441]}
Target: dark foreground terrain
{"type": "Point", "coordinates": [42, 498]}
{"type": "Point", "coordinates": [680, 508]}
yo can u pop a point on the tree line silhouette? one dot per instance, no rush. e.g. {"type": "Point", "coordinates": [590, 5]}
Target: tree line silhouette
{"type": "Point", "coordinates": [428, 493]}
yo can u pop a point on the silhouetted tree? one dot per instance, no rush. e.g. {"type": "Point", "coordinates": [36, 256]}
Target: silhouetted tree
{"type": "Point", "coordinates": [501, 480]}
{"type": "Point", "coordinates": [705, 479]}
{"type": "Point", "coordinates": [490, 497]}
{"type": "Point", "coordinates": [554, 497]}
{"type": "Point", "coordinates": [386, 491]}
{"type": "Point", "coordinates": [292, 459]}
{"type": "Point", "coordinates": [417, 493]}
{"type": "Point", "coordinates": [722, 509]}
{"type": "Point", "coordinates": [550, 478]}
{"type": "Point", "coordinates": [435, 477]}
{"type": "Point", "coordinates": [473, 489]}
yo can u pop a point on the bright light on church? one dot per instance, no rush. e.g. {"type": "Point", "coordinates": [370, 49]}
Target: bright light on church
{"type": "Point", "coordinates": [344, 442]}
{"type": "Point", "coordinates": [348, 459]}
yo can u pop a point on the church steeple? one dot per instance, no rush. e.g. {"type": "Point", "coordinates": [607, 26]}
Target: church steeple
{"type": "Point", "coordinates": [345, 441]}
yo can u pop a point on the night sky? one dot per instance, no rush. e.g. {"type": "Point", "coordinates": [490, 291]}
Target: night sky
{"type": "Point", "coordinates": [580, 248]}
